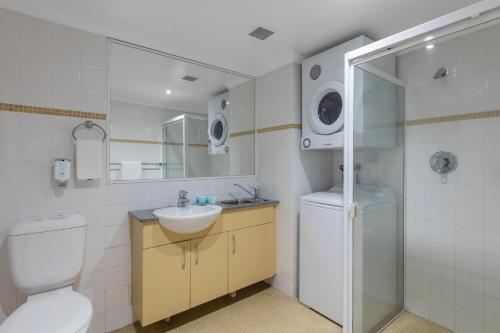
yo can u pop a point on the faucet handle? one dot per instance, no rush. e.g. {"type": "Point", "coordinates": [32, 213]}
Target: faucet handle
{"type": "Point", "coordinates": [183, 194]}
{"type": "Point", "coordinates": [256, 191]}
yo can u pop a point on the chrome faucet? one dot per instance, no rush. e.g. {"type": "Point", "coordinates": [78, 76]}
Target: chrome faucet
{"type": "Point", "coordinates": [182, 200]}
{"type": "Point", "coordinates": [256, 191]}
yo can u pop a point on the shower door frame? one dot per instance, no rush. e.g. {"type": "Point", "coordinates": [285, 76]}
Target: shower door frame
{"type": "Point", "coordinates": [184, 120]}
{"type": "Point", "coordinates": [462, 19]}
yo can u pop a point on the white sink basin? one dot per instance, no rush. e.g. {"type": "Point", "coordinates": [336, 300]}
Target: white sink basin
{"type": "Point", "coordinates": [189, 219]}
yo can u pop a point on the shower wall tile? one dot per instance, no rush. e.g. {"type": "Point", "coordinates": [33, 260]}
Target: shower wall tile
{"type": "Point", "coordinates": [453, 228]}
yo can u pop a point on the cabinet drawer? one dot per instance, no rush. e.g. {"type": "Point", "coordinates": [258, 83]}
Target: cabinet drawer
{"type": "Point", "coordinates": [244, 218]}
{"type": "Point", "coordinates": [153, 234]}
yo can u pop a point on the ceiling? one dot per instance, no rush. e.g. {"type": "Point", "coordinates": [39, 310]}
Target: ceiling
{"type": "Point", "coordinates": [142, 77]}
{"type": "Point", "coordinates": [216, 31]}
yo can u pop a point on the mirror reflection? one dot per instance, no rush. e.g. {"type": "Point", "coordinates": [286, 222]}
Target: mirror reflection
{"type": "Point", "coordinates": [172, 118]}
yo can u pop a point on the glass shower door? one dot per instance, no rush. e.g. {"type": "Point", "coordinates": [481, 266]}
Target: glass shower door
{"type": "Point", "coordinates": [377, 189]}
{"type": "Point", "coordinates": [174, 154]}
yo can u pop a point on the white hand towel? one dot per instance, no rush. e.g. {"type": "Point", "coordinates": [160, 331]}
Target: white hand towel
{"type": "Point", "coordinates": [89, 159]}
{"type": "Point", "coordinates": [131, 170]}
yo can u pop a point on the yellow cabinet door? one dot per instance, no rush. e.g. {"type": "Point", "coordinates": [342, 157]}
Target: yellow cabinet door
{"type": "Point", "coordinates": [251, 255]}
{"type": "Point", "coordinates": [208, 268]}
{"type": "Point", "coordinates": [166, 281]}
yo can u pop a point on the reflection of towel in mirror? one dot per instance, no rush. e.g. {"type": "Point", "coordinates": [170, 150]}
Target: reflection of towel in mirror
{"type": "Point", "coordinates": [89, 159]}
{"type": "Point", "coordinates": [131, 170]}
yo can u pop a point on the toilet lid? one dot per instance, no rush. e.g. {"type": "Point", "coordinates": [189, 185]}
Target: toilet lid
{"type": "Point", "coordinates": [55, 312]}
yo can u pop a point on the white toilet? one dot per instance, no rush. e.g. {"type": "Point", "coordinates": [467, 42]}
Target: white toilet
{"type": "Point", "coordinates": [46, 257]}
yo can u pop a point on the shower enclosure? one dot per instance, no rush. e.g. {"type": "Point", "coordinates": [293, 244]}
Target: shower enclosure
{"type": "Point", "coordinates": [422, 236]}
{"type": "Point", "coordinates": [185, 151]}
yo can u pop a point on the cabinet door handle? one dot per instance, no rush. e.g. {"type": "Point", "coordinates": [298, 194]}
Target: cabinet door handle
{"type": "Point", "coordinates": [183, 257]}
{"type": "Point", "coordinates": [196, 254]}
{"type": "Point", "coordinates": [234, 244]}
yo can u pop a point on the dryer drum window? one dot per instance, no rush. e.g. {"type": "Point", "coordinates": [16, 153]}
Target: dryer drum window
{"type": "Point", "coordinates": [330, 108]}
{"type": "Point", "coordinates": [218, 129]}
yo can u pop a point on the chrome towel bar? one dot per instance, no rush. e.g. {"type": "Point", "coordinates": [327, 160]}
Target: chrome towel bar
{"type": "Point", "coordinates": [89, 125]}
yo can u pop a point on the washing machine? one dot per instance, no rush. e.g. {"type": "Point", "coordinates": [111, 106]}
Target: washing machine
{"type": "Point", "coordinates": [323, 101]}
{"type": "Point", "coordinates": [321, 249]}
{"type": "Point", "coordinates": [218, 124]}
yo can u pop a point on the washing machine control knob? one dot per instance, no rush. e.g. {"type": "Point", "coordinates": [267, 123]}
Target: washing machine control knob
{"type": "Point", "coordinates": [306, 143]}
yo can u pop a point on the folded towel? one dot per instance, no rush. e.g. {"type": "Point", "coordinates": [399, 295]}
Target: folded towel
{"type": "Point", "coordinates": [131, 170]}
{"type": "Point", "coordinates": [89, 162]}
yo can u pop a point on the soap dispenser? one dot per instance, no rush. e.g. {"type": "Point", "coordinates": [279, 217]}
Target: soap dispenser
{"type": "Point", "coordinates": [62, 171]}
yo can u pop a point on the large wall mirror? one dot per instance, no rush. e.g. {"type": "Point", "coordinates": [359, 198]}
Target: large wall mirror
{"type": "Point", "coordinates": [173, 118]}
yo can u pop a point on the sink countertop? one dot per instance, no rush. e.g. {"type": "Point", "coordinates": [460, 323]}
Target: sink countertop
{"type": "Point", "coordinates": [146, 215]}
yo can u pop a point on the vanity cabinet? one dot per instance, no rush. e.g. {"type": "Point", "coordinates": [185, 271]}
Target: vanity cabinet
{"type": "Point", "coordinates": [172, 272]}
{"type": "Point", "coordinates": [208, 268]}
{"type": "Point", "coordinates": [251, 256]}
{"type": "Point", "coordinates": [166, 287]}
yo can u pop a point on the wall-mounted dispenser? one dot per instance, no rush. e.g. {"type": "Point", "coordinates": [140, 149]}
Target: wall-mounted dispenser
{"type": "Point", "coordinates": [62, 171]}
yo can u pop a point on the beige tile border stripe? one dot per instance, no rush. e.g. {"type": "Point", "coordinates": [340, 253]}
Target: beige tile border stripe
{"type": "Point", "coordinates": [156, 142]}
{"type": "Point", "coordinates": [51, 111]}
{"type": "Point", "coordinates": [458, 117]}
{"type": "Point", "coordinates": [242, 133]}
{"type": "Point", "coordinates": [138, 141]}
{"type": "Point", "coordinates": [279, 128]}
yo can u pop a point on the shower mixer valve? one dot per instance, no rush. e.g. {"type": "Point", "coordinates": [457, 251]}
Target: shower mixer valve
{"type": "Point", "coordinates": [444, 163]}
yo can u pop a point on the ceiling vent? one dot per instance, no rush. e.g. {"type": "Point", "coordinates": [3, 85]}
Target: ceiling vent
{"type": "Point", "coordinates": [261, 33]}
{"type": "Point", "coordinates": [189, 78]}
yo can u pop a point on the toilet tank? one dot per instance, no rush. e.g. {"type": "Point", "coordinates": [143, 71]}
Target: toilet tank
{"type": "Point", "coordinates": [46, 253]}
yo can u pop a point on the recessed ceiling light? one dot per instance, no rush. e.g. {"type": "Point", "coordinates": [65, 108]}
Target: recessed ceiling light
{"type": "Point", "coordinates": [428, 38]}
{"type": "Point", "coordinates": [168, 92]}
{"type": "Point", "coordinates": [189, 78]}
{"type": "Point", "coordinates": [261, 33]}
{"type": "Point", "coordinates": [430, 47]}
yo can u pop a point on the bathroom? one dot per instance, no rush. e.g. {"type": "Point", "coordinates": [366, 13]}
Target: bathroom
{"type": "Point", "coordinates": [218, 120]}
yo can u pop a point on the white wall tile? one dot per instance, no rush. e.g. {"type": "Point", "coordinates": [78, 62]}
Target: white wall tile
{"type": "Point", "coordinates": [118, 318]}
{"type": "Point", "coordinates": [469, 239]}
{"type": "Point", "coordinates": [118, 256]}
{"type": "Point", "coordinates": [492, 243]}
{"type": "Point", "coordinates": [117, 235]}
{"type": "Point", "coordinates": [491, 311]}
{"type": "Point", "coordinates": [118, 276]}
{"type": "Point", "coordinates": [117, 297]}
{"type": "Point", "coordinates": [117, 214]}
{"type": "Point", "coordinates": [93, 282]}
{"type": "Point", "coordinates": [492, 266]}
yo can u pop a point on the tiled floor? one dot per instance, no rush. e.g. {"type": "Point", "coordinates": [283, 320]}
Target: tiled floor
{"type": "Point", "coordinates": [261, 309]}
{"type": "Point", "coordinates": [256, 309]}
{"type": "Point", "coordinates": [409, 323]}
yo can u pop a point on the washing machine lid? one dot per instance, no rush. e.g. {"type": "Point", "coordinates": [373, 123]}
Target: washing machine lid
{"type": "Point", "coordinates": [63, 311]}
{"type": "Point", "coordinates": [368, 196]}
{"type": "Point", "coordinates": [324, 198]}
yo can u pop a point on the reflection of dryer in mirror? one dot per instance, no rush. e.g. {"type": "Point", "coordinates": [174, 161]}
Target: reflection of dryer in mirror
{"type": "Point", "coordinates": [218, 124]}
{"type": "Point", "coordinates": [323, 103]}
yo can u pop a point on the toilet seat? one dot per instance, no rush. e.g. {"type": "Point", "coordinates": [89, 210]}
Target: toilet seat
{"type": "Point", "coordinates": [58, 311]}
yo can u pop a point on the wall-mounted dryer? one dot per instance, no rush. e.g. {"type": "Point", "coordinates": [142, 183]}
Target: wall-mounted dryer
{"type": "Point", "coordinates": [323, 101]}
{"type": "Point", "coordinates": [218, 124]}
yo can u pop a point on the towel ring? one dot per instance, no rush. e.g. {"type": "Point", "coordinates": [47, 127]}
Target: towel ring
{"type": "Point", "coordinates": [89, 125]}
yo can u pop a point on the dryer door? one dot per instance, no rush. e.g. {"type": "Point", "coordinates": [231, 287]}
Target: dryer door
{"type": "Point", "coordinates": [326, 108]}
{"type": "Point", "coordinates": [218, 131]}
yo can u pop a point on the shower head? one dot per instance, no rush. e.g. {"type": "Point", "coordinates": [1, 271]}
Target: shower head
{"type": "Point", "coordinates": [441, 73]}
